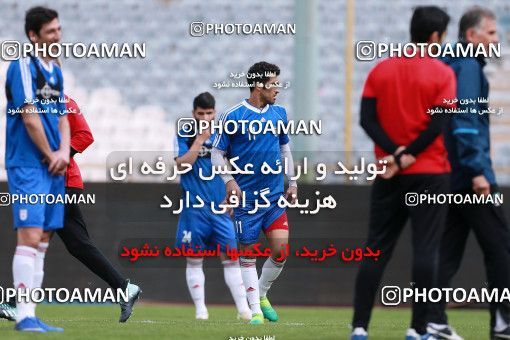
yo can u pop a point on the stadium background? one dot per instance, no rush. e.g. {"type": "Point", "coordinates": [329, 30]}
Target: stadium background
{"type": "Point", "coordinates": [133, 105]}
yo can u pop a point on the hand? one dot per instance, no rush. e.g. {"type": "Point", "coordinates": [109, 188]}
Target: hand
{"type": "Point", "coordinates": [399, 150]}
{"type": "Point", "coordinates": [64, 156]}
{"type": "Point", "coordinates": [406, 160]}
{"type": "Point", "coordinates": [391, 167]}
{"type": "Point", "coordinates": [62, 172]}
{"type": "Point", "coordinates": [233, 190]}
{"type": "Point", "coordinates": [291, 194]}
{"type": "Point", "coordinates": [57, 162]}
{"type": "Point", "coordinates": [204, 135]}
{"type": "Point", "coordinates": [229, 210]}
{"type": "Point", "coordinates": [481, 186]}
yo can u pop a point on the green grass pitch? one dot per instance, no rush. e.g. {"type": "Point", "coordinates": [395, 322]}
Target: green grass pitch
{"type": "Point", "coordinates": [177, 322]}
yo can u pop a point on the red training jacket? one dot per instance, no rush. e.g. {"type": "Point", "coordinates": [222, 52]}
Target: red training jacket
{"type": "Point", "coordinates": [81, 138]}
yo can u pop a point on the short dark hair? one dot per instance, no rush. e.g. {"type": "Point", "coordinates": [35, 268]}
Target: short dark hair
{"type": "Point", "coordinates": [472, 18]}
{"type": "Point", "coordinates": [260, 72]}
{"type": "Point", "coordinates": [427, 20]}
{"type": "Point", "coordinates": [204, 100]}
{"type": "Point", "coordinates": [36, 17]}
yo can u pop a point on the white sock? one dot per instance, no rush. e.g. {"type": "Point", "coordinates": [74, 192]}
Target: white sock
{"type": "Point", "coordinates": [23, 265]}
{"type": "Point", "coordinates": [39, 264]}
{"type": "Point", "coordinates": [250, 280]}
{"type": "Point", "coordinates": [196, 281]}
{"type": "Point", "coordinates": [270, 271]}
{"type": "Point", "coordinates": [500, 322]}
{"type": "Point", "coordinates": [359, 331]}
{"type": "Point", "coordinates": [234, 281]}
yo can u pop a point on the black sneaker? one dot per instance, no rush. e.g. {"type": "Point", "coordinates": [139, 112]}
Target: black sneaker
{"type": "Point", "coordinates": [7, 312]}
{"type": "Point", "coordinates": [504, 334]}
{"type": "Point", "coordinates": [445, 332]}
{"type": "Point", "coordinates": [126, 308]}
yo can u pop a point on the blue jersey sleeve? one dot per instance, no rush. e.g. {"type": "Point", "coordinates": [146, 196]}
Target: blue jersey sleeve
{"type": "Point", "coordinates": [222, 140]}
{"type": "Point", "coordinates": [284, 137]}
{"type": "Point", "coordinates": [19, 81]}
{"type": "Point", "coordinates": [180, 146]}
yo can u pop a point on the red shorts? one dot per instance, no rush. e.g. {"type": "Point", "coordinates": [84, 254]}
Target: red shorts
{"type": "Point", "coordinates": [280, 223]}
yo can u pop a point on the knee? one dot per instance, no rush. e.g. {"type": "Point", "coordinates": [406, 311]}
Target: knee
{"type": "Point", "coordinates": [194, 262]}
{"type": "Point", "coordinates": [46, 236]}
{"type": "Point", "coordinates": [30, 237]}
{"type": "Point", "coordinates": [76, 247]}
{"type": "Point", "coordinates": [74, 242]}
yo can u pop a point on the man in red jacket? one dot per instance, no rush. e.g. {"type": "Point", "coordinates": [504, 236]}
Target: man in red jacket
{"type": "Point", "coordinates": [74, 234]}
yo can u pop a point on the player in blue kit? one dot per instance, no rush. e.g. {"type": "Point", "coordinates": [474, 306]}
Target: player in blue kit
{"type": "Point", "coordinates": [200, 228]}
{"type": "Point", "coordinates": [36, 157]}
{"type": "Point", "coordinates": [257, 149]}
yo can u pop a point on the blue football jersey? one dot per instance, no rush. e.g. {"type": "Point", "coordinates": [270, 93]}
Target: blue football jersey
{"type": "Point", "coordinates": [29, 80]}
{"type": "Point", "coordinates": [208, 190]}
{"type": "Point", "coordinates": [255, 149]}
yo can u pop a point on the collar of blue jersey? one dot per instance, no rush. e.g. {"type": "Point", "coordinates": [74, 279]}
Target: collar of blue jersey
{"type": "Point", "coordinates": [41, 79]}
{"type": "Point", "coordinates": [39, 62]}
{"type": "Point", "coordinates": [253, 108]}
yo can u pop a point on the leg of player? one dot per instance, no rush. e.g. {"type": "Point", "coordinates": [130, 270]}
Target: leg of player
{"type": "Point", "coordinates": [39, 273]}
{"type": "Point", "coordinates": [234, 281]}
{"type": "Point", "coordinates": [23, 270]}
{"type": "Point", "coordinates": [39, 259]}
{"type": "Point", "coordinates": [278, 239]}
{"type": "Point", "coordinates": [453, 244]}
{"type": "Point", "coordinates": [78, 243]}
{"type": "Point", "coordinates": [195, 279]}
{"type": "Point", "coordinates": [251, 284]}
{"type": "Point", "coordinates": [386, 221]}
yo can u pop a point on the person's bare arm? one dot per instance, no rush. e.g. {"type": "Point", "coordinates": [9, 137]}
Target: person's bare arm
{"type": "Point", "coordinates": [192, 154]}
{"type": "Point", "coordinates": [57, 162]}
{"type": "Point", "coordinates": [218, 160]}
{"type": "Point", "coordinates": [64, 151]}
{"type": "Point", "coordinates": [35, 130]}
{"type": "Point", "coordinates": [291, 193]}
